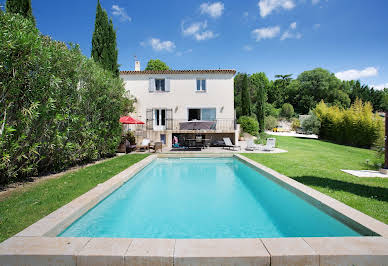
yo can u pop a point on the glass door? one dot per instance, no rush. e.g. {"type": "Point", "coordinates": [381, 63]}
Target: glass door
{"type": "Point", "coordinates": [159, 119]}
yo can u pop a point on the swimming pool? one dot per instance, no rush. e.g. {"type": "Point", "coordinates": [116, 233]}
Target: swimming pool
{"type": "Point", "coordinates": [204, 198]}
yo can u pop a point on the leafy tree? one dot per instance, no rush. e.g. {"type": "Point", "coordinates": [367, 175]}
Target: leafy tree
{"type": "Point", "coordinates": [311, 125]}
{"type": "Point", "coordinates": [287, 110]}
{"type": "Point", "coordinates": [245, 97]}
{"type": "Point", "coordinates": [57, 107]}
{"type": "Point", "coordinates": [22, 7]}
{"type": "Point", "coordinates": [260, 83]}
{"type": "Point", "coordinates": [237, 93]}
{"type": "Point", "coordinates": [316, 85]}
{"type": "Point", "coordinates": [156, 65]}
{"type": "Point", "coordinates": [104, 47]}
{"type": "Point", "coordinates": [278, 90]}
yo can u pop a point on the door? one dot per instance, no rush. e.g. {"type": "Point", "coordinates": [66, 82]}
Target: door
{"type": "Point", "coordinates": [160, 119]}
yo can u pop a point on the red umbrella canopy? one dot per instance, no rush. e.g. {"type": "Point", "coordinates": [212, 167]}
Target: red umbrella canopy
{"type": "Point", "coordinates": [130, 120]}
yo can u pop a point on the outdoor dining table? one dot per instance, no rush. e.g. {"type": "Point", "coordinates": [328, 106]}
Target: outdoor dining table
{"type": "Point", "coordinates": [195, 140]}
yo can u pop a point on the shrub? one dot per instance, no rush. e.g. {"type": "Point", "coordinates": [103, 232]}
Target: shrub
{"type": "Point", "coordinates": [249, 125]}
{"type": "Point", "coordinates": [58, 107]}
{"type": "Point", "coordinates": [270, 110]}
{"type": "Point", "coordinates": [311, 125]}
{"type": "Point", "coordinates": [295, 124]}
{"type": "Point", "coordinates": [130, 136]}
{"type": "Point", "coordinates": [287, 110]}
{"type": "Point", "coordinates": [356, 126]}
{"type": "Point", "coordinates": [270, 122]}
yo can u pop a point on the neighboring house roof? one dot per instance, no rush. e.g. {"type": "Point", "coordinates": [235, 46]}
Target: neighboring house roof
{"type": "Point", "coordinates": [208, 71]}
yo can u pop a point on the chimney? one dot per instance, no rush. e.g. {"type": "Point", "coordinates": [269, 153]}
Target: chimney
{"type": "Point", "coordinates": [137, 65]}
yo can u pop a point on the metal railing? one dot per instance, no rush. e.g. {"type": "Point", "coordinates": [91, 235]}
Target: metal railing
{"type": "Point", "coordinates": [217, 125]}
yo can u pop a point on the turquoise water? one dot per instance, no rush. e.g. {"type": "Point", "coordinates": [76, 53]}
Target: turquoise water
{"type": "Point", "coordinates": [204, 198]}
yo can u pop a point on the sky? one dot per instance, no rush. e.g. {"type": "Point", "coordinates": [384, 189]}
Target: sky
{"type": "Point", "coordinates": [347, 37]}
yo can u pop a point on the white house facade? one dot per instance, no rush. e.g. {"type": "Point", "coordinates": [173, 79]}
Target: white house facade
{"type": "Point", "coordinates": [165, 100]}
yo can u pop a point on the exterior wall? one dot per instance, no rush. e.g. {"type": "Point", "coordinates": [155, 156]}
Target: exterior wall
{"type": "Point", "coordinates": [183, 94]}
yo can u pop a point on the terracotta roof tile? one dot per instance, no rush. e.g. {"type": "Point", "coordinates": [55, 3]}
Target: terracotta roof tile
{"type": "Point", "coordinates": [208, 71]}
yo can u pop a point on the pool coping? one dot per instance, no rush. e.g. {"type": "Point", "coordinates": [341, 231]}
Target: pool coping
{"type": "Point", "coordinates": [38, 244]}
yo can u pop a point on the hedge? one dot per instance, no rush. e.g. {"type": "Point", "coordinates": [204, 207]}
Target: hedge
{"type": "Point", "coordinates": [58, 108]}
{"type": "Point", "coordinates": [249, 125]}
{"type": "Point", "coordinates": [356, 126]}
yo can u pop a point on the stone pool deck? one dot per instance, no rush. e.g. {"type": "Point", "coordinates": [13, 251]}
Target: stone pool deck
{"type": "Point", "coordinates": [38, 244]}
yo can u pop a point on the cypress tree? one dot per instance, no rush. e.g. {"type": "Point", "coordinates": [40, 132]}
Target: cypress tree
{"type": "Point", "coordinates": [104, 47]}
{"type": "Point", "coordinates": [245, 97]}
{"type": "Point", "coordinates": [22, 7]}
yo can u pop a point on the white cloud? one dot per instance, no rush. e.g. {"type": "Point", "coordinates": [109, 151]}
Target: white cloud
{"type": "Point", "coordinates": [180, 53]}
{"type": "Point", "coordinates": [290, 33]}
{"type": "Point", "coordinates": [214, 10]}
{"type": "Point", "coordinates": [314, 2]}
{"type": "Point", "coordinates": [121, 13]}
{"type": "Point", "coordinates": [159, 45]}
{"type": "Point", "coordinates": [267, 6]}
{"type": "Point", "coordinates": [380, 87]}
{"type": "Point", "coordinates": [198, 31]}
{"type": "Point", "coordinates": [354, 74]}
{"type": "Point", "coordinates": [265, 33]}
{"type": "Point", "coordinates": [316, 26]}
{"type": "Point", "coordinates": [248, 48]}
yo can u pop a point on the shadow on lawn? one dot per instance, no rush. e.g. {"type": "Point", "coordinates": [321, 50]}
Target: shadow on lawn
{"type": "Point", "coordinates": [378, 193]}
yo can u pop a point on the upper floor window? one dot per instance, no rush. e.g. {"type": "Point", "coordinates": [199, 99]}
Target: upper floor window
{"type": "Point", "coordinates": [201, 84]}
{"type": "Point", "coordinates": [160, 85]}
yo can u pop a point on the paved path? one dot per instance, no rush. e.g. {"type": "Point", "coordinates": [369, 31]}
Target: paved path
{"type": "Point", "coordinates": [292, 134]}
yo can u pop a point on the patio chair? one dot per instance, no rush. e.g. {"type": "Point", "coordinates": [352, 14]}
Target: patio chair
{"type": "Point", "coordinates": [270, 145]}
{"type": "Point", "coordinates": [145, 145]}
{"type": "Point", "coordinates": [229, 144]}
{"type": "Point", "coordinates": [251, 146]}
{"type": "Point", "coordinates": [198, 141]}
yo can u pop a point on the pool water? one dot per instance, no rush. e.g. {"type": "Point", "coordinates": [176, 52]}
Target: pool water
{"type": "Point", "coordinates": [204, 198]}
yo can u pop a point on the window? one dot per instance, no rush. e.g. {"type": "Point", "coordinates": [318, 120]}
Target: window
{"type": "Point", "coordinates": [160, 117]}
{"type": "Point", "coordinates": [160, 85]}
{"type": "Point", "coordinates": [163, 138]}
{"type": "Point", "coordinates": [208, 114]}
{"type": "Point", "coordinates": [201, 84]}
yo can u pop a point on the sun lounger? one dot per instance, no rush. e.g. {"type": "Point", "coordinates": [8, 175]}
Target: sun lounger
{"type": "Point", "coordinates": [145, 145]}
{"type": "Point", "coordinates": [251, 146]}
{"type": "Point", "coordinates": [229, 144]}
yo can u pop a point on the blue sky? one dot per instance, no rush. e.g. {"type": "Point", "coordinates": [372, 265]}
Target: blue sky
{"type": "Point", "coordinates": [271, 36]}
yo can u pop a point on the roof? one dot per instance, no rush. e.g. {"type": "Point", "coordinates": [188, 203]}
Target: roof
{"type": "Point", "coordinates": [207, 71]}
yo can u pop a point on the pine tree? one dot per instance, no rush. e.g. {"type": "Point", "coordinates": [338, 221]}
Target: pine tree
{"type": "Point", "coordinates": [104, 47]}
{"type": "Point", "coordinates": [245, 97]}
{"type": "Point", "coordinates": [22, 7]}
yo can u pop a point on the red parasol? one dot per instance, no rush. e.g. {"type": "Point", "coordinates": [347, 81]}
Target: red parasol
{"type": "Point", "coordinates": [130, 120]}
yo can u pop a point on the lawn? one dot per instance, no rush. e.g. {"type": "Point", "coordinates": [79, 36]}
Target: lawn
{"type": "Point", "coordinates": [317, 164]}
{"type": "Point", "coordinates": [24, 207]}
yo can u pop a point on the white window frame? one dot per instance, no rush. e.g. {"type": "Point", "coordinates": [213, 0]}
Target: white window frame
{"type": "Point", "coordinates": [201, 87]}
{"type": "Point", "coordinates": [157, 114]}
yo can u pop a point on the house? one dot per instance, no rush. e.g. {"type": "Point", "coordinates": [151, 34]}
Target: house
{"type": "Point", "coordinates": [167, 100]}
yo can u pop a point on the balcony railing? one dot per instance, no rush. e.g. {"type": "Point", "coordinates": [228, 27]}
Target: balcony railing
{"type": "Point", "coordinates": [217, 125]}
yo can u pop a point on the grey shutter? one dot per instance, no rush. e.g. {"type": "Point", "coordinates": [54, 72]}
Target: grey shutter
{"type": "Point", "coordinates": [152, 85]}
{"type": "Point", "coordinates": [149, 119]}
{"type": "Point", "coordinates": [204, 84]}
{"type": "Point", "coordinates": [167, 85]}
{"type": "Point", "coordinates": [198, 84]}
{"type": "Point", "coordinates": [169, 119]}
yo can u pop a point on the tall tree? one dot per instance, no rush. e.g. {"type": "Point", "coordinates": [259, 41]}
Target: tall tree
{"type": "Point", "coordinates": [22, 7]}
{"type": "Point", "coordinates": [104, 47]}
{"type": "Point", "coordinates": [156, 65]}
{"type": "Point", "coordinates": [245, 97]}
{"type": "Point", "coordinates": [260, 83]}
{"type": "Point", "coordinates": [237, 93]}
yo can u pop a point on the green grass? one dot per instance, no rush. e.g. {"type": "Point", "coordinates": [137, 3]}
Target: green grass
{"type": "Point", "coordinates": [24, 207]}
{"type": "Point", "coordinates": [317, 164]}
